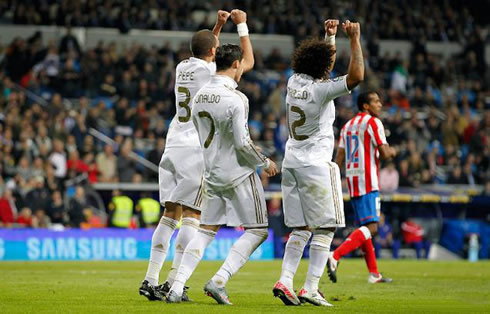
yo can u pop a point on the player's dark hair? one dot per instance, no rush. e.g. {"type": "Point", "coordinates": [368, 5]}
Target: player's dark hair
{"type": "Point", "coordinates": [226, 55]}
{"type": "Point", "coordinates": [363, 98]}
{"type": "Point", "coordinates": [313, 57]}
{"type": "Point", "coordinates": [201, 42]}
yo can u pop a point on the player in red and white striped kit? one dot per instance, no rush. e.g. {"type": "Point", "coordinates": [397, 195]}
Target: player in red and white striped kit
{"type": "Point", "coordinates": [362, 141]}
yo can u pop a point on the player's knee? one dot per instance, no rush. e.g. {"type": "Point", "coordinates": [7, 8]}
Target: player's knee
{"type": "Point", "coordinates": [305, 235]}
{"type": "Point", "coordinates": [322, 238]}
{"type": "Point", "coordinates": [190, 213]}
{"type": "Point", "coordinates": [262, 233]}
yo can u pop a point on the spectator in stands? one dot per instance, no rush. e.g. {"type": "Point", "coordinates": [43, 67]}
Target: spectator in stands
{"type": "Point", "coordinates": [24, 219]}
{"type": "Point", "coordinates": [38, 197]}
{"type": "Point", "coordinates": [389, 178]}
{"type": "Point", "coordinates": [56, 208]}
{"type": "Point", "coordinates": [58, 159]}
{"type": "Point", "coordinates": [106, 163]}
{"type": "Point", "coordinates": [126, 167]}
{"type": "Point", "coordinates": [77, 206]}
{"type": "Point", "coordinates": [7, 209]}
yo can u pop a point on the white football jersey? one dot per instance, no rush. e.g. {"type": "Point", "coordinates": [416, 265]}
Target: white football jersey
{"type": "Point", "coordinates": [220, 114]}
{"type": "Point", "coordinates": [190, 75]}
{"type": "Point", "coordinates": [310, 115]}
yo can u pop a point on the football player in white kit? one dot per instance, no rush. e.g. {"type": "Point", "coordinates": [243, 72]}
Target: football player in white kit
{"type": "Point", "coordinates": [233, 193]}
{"type": "Point", "coordinates": [182, 164]}
{"type": "Point", "coordinates": [311, 187]}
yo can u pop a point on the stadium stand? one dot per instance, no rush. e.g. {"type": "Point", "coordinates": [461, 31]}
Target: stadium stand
{"type": "Point", "coordinates": [60, 98]}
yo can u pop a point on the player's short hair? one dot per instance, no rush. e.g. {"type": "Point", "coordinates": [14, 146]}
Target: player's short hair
{"type": "Point", "coordinates": [363, 98]}
{"type": "Point", "coordinates": [313, 57]}
{"type": "Point", "coordinates": [226, 55]}
{"type": "Point", "coordinates": [201, 42]}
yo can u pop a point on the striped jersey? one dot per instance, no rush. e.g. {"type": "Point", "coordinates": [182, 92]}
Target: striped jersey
{"type": "Point", "coordinates": [190, 75]}
{"type": "Point", "coordinates": [361, 137]}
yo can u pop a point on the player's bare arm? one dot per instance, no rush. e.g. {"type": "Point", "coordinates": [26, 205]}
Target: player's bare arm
{"type": "Point", "coordinates": [386, 151]}
{"type": "Point", "coordinates": [355, 74]}
{"type": "Point", "coordinates": [239, 17]}
{"type": "Point", "coordinates": [330, 32]}
{"type": "Point", "coordinates": [340, 158]}
{"type": "Point", "coordinates": [221, 19]}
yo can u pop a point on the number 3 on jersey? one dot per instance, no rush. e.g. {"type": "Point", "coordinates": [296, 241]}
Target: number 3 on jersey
{"type": "Point", "coordinates": [297, 123]}
{"type": "Point", "coordinates": [205, 114]}
{"type": "Point", "coordinates": [351, 145]}
{"type": "Point", "coordinates": [185, 104]}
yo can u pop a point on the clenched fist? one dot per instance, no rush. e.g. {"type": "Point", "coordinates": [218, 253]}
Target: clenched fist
{"type": "Point", "coordinates": [222, 17]}
{"type": "Point", "coordinates": [331, 27]}
{"type": "Point", "coordinates": [353, 30]}
{"type": "Point", "coordinates": [238, 16]}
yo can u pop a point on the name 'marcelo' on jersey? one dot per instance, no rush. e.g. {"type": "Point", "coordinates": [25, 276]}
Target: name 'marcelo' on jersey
{"type": "Point", "coordinates": [220, 114]}
{"type": "Point", "coordinates": [191, 74]}
{"type": "Point", "coordinates": [310, 115]}
{"type": "Point", "coordinates": [361, 137]}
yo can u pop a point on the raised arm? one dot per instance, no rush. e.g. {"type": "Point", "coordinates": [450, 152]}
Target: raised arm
{"type": "Point", "coordinates": [356, 65]}
{"type": "Point", "coordinates": [239, 17]}
{"type": "Point", "coordinates": [244, 144]}
{"type": "Point", "coordinates": [330, 32]}
{"type": "Point", "coordinates": [221, 19]}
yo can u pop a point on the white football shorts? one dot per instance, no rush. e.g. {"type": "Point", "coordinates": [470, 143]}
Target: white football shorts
{"type": "Point", "coordinates": [243, 205]}
{"type": "Point", "coordinates": [180, 176]}
{"type": "Point", "coordinates": [312, 196]}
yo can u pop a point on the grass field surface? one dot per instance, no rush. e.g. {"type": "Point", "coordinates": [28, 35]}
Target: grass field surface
{"type": "Point", "coordinates": [112, 287]}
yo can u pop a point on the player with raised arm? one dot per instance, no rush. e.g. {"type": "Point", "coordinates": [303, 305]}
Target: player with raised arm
{"type": "Point", "coordinates": [362, 141]}
{"type": "Point", "coordinates": [182, 163]}
{"type": "Point", "coordinates": [311, 187]}
{"type": "Point", "coordinates": [233, 191]}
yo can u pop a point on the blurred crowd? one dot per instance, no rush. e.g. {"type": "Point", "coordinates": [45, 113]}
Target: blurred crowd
{"type": "Point", "coordinates": [437, 112]}
{"type": "Point", "coordinates": [451, 20]}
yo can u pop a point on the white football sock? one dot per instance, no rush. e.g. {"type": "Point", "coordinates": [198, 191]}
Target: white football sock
{"type": "Point", "coordinates": [292, 255]}
{"type": "Point", "coordinates": [319, 251]}
{"type": "Point", "coordinates": [192, 256]}
{"type": "Point", "coordinates": [186, 232]}
{"type": "Point", "coordinates": [239, 254]}
{"type": "Point", "coordinates": [159, 248]}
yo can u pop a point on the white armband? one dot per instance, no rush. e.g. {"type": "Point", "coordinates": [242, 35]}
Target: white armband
{"type": "Point", "coordinates": [330, 39]}
{"type": "Point", "coordinates": [242, 29]}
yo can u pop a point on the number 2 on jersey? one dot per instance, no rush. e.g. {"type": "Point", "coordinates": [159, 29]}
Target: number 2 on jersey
{"type": "Point", "coordinates": [351, 154]}
{"type": "Point", "coordinates": [297, 123]}
{"type": "Point", "coordinates": [205, 114]}
{"type": "Point", "coordinates": [185, 104]}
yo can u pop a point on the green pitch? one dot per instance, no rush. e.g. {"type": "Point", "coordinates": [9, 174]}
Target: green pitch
{"type": "Point", "coordinates": [112, 287]}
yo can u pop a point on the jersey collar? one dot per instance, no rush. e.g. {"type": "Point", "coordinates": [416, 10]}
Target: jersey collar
{"type": "Point", "coordinates": [226, 80]}
{"type": "Point", "coordinates": [194, 59]}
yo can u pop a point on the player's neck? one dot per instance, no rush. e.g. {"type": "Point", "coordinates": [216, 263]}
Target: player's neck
{"type": "Point", "coordinates": [228, 73]}
{"type": "Point", "coordinates": [208, 59]}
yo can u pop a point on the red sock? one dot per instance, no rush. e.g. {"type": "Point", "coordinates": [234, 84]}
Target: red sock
{"type": "Point", "coordinates": [354, 241]}
{"type": "Point", "coordinates": [368, 249]}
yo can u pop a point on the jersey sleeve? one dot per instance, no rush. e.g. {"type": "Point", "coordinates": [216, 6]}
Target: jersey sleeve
{"type": "Point", "coordinates": [342, 140]}
{"type": "Point", "coordinates": [377, 132]}
{"type": "Point", "coordinates": [331, 89]}
{"type": "Point", "coordinates": [243, 142]}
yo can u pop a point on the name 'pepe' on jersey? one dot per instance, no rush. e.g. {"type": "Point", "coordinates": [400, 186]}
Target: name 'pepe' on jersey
{"type": "Point", "coordinates": [191, 75]}
{"type": "Point", "coordinates": [310, 115]}
{"type": "Point", "coordinates": [360, 137]}
{"type": "Point", "coordinates": [220, 115]}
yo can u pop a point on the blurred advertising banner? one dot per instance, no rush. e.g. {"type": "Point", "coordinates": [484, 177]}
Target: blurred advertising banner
{"type": "Point", "coordinates": [106, 244]}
